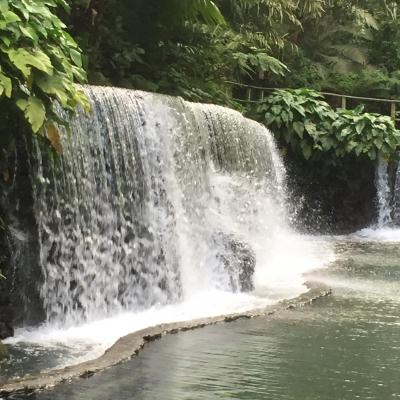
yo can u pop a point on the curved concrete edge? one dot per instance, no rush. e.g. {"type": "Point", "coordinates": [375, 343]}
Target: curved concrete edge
{"type": "Point", "coordinates": [128, 346]}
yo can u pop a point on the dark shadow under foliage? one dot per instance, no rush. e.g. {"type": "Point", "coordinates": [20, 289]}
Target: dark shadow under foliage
{"type": "Point", "coordinates": [329, 198]}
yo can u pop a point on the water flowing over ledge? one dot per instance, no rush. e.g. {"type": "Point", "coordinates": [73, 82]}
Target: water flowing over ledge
{"type": "Point", "coordinates": [159, 210]}
{"type": "Point", "coordinates": [150, 190]}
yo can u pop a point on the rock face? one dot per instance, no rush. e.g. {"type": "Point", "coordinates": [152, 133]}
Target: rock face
{"type": "Point", "coordinates": [239, 260]}
{"type": "Point", "coordinates": [6, 321]}
{"type": "Point", "coordinates": [20, 301]}
{"type": "Point", "coordinates": [332, 199]}
{"type": "Point", "coordinates": [6, 312]}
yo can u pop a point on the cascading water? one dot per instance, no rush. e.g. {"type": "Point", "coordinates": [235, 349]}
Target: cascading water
{"type": "Point", "coordinates": [383, 194]}
{"type": "Point", "coordinates": [106, 216]}
{"type": "Point", "coordinates": [144, 211]}
{"type": "Point", "coordinates": [396, 197]}
{"type": "Point", "coordinates": [133, 215]}
{"type": "Point", "coordinates": [387, 183]}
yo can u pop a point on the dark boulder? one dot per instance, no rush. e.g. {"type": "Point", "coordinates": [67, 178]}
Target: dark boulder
{"type": "Point", "coordinates": [238, 259]}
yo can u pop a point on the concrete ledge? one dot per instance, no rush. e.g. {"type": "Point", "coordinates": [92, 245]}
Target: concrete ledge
{"type": "Point", "coordinates": [128, 346]}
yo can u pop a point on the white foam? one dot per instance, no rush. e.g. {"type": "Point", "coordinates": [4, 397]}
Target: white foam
{"type": "Point", "coordinates": [280, 277]}
{"type": "Point", "coordinates": [386, 234]}
{"type": "Point", "coordinates": [285, 264]}
{"type": "Point", "coordinates": [93, 338]}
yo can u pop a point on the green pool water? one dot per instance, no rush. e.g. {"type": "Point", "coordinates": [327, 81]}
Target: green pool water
{"type": "Point", "coordinates": [343, 347]}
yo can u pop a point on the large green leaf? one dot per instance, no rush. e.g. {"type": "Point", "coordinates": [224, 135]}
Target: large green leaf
{"type": "Point", "coordinates": [298, 128]}
{"type": "Point", "coordinates": [29, 32]}
{"type": "Point", "coordinates": [10, 17]}
{"type": "Point", "coordinates": [34, 112]}
{"type": "Point", "coordinates": [307, 150]}
{"type": "Point", "coordinates": [5, 85]}
{"type": "Point", "coordinates": [24, 60]}
{"type": "Point", "coordinates": [55, 85]}
{"type": "Point", "coordinates": [76, 57]}
{"type": "Point", "coordinates": [360, 127]}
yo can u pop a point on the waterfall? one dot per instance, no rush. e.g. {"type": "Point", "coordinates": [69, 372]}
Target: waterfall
{"type": "Point", "coordinates": [387, 184]}
{"type": "Point", "coordinates": [155, 199]}
{"type": "Point", "coordinates": [383, 194]}
{"type": "Point", "coordinates": [388, 195]}
{"type": "Point", "coordinates": [157, 210]}
{"type": "Point", "coordinates": [396, 197]}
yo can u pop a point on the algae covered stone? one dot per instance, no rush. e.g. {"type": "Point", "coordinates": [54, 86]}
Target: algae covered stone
{"type": "Point", "coordinates": [3, 352]}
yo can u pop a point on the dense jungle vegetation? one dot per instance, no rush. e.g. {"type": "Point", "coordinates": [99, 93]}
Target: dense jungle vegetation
{"type": "Point", "coordinates": [193, 48]}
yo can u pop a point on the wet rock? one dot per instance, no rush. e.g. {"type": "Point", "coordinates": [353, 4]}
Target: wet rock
{"type": "Point", "coordinates": [6, 329]}
{"type": "Point", "coordinates": [20, 300]}
{"type": "Point", "coordinates": [332, 198]}
{"type": "Point", "coordinates": [6, 311]}
{"type": "Point", "coordinates": [3, 352]}
{"type": "Point", "coordinates": [239, 261]}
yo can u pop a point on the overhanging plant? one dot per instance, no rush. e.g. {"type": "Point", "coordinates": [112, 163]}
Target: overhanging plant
{"type": "Point", "coordinates": [39, 63]}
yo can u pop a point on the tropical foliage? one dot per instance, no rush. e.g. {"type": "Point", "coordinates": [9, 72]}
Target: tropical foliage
{"type": "Point", "coordinates": [39, 63]}
{"type": "Point", "coordinates": [186, 47]}
{"type": "Point", "coordinates": [303, 120]}
{"type": "Point", "coordinates": [193, 48]}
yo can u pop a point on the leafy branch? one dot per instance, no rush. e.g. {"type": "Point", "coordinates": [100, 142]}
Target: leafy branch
{"type": "Point", "coordinates": [39, 62]}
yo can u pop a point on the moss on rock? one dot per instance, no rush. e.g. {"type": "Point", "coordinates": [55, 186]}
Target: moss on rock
{"type": "Point", "coordinates": [3, 352]}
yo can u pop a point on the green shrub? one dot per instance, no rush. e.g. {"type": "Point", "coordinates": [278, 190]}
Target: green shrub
{"type": "Point", "coordinates": [302, 119]}
{"type": "Point", "coordinates": [365, 133]}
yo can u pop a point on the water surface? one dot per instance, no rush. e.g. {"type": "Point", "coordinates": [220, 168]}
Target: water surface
{"type": "Point", "coordinates": [343, 347]}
